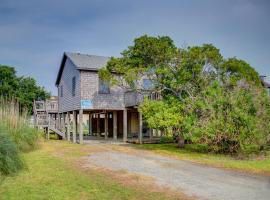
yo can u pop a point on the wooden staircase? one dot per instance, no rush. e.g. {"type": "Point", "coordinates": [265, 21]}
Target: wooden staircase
{"type": "Point", "coordinates": [46, 116]}
{"type": "Point", "coordinates": [58, 132]}
{"type": "Point", "coordinates": [44, 120]}
{"type": "Point", "coordinates": [54, 126]}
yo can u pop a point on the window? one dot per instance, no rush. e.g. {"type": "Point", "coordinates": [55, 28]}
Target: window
{"type": "Point", "coordinates": [147, 84]}
{"type": "Point", "coordinates": [73, 86]}
{"type": "Point", "coordinates": [61, 91]}
{"type": "Point", "coordinates": [104, 87]}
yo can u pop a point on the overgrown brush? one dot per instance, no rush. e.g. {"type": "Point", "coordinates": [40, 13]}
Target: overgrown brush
{"type": "Point", "coordinates": [16, 135]}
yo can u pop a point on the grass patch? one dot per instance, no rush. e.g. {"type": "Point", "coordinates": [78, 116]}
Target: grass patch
{"type": "Point", "coordinates": [260, 164]}
{"type": "Point", "coordinates": [56, 175]}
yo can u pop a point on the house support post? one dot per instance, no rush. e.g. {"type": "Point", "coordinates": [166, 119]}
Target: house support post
{"type": "Point", "coordinates": [98, 125]}
{"type": "Point", "coordinates": [106, 126]}
{"type": "Point", "coordinates": [140, 128]}
{"type": "Point", "coordinates": [115, 125]}
{"type": "Point", "coordinates": [125, 125]}
{"type": "Point", "coordinates": [48, 133]}
{"type": "Point", "coordinates": [68, 125]}
{"type": "Point", "coordinates": [74, 126]}
{"type": "Point", "coordinates": [58, 121]}
{"type": "Point", "coordinates": [63, 125]}
{"type": "Point", "coordinates": [81, 126]}
{"type": "Point", "coordinates": [90, 124]}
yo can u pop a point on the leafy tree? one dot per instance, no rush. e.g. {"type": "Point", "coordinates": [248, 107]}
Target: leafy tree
{"type": "Point", "coordinates": [24, 89]}
{"type": "Point", "coordinates": [8, 81]}
{"type": "Point", "coordinates": [206, 99]}
{"type": "Point", "coordinates": [240, 70]}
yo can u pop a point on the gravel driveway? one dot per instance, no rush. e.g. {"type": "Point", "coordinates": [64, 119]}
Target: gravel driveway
{"type": "Point", "coordinates": [195, 180]}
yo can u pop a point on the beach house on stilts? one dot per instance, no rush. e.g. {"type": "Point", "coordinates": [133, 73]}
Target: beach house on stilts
{"type": "Point", "coordinates": [90, 108]}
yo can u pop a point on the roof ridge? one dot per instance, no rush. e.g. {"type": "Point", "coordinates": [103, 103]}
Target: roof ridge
{"type": "Point", "coordinates": [86, 54]}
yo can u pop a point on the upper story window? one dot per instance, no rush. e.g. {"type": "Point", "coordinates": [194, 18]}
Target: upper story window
{"type": "Point", "coordinates": [73, 86]}
{"type": "Point", "coordinates": [61, 91]}
{"type": "Point", "coordinates": [148, 84]}
{"type": "Point", "coordinates": [104, 87]}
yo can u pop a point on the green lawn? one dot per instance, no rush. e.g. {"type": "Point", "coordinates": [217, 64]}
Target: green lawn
{"type": "Point", "coordinates": [52, 176]}
{"type": "Point", "coordinates": [260, 165]}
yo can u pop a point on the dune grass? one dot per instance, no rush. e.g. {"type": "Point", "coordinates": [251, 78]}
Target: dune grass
{"type": "Point", "coordinates": [58, 177]}
{"type": "Point", "coordinates": [10, 161]}
{"type": "Point", "coordinates": [16, 136]}
{"type": "Point", "coordinates": [256, 164]}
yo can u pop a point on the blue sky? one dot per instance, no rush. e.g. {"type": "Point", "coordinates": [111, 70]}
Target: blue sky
{"type": "Point", "coordinates": [35, 33]}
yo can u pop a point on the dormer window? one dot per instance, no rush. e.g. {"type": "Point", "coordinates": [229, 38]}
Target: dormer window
{"type": "Point", "coordinates": [104, 87]}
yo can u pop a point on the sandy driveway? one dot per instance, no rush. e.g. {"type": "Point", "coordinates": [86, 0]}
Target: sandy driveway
{"type": "Point", "coordinates": [193, 179]}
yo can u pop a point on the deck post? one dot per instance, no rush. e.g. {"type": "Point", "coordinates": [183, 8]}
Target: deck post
{"type": "Point", "coordinates": [106, 126]}
{"type": "Point", "coordinates": [68, 125]}
{"type": "Point", "coordinates": [90, 124]}
{"type": "Point", "coordinates": [74, 126]}
{"type": "Point", "coordinates": [63, 125]}
{"type": "Point", "coordinates": [58, 121]}
{"type": "Point", "coordinates": [125, 125]}
{"type": "Point", "coordinates": [81, 126]}
{"type": "Point", "coordinates": [48, 133]}
{"type": "Point", "coordinates": [115, 125]}
{"type": "Point", "coordinates": [140, 128]}
{"type": "Point", "coordinates": [98, 125]}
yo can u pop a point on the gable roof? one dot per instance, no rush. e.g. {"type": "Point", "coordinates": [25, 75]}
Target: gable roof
{"type": "Point", "coordinates": [82, 62]}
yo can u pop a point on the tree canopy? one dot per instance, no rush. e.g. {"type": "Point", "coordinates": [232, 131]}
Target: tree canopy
{"type": "Point", "coordinates": [206, 98]}
{"type": "Point", "coordinates": [24, 89]}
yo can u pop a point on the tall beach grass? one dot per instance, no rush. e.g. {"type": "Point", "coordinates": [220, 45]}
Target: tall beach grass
{"type": "Point", "coordinates": [16, 136]}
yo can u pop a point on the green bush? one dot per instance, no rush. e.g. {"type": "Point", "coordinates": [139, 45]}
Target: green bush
{"type": "Point", "coordinates": [251, 149]}
{"type": "Point", "coordinates": [233, 119]}
{"type": "Point", "coordinates": [166, 139]}
{"type": "Point", "coordinates": [10, 161]}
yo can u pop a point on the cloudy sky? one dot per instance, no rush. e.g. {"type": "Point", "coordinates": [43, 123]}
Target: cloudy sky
{"type": "Point", "coordinates": [35, 33]}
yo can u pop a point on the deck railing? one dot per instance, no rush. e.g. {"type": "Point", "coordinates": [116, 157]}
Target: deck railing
{"type": "Point", "coordinates": [133, 98]}
{"type": "Point", "coordinates": [48, 105]}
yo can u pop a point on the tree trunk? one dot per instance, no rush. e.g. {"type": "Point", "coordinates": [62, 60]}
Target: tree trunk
{"type": "Point", "coordinates": [181, 141]}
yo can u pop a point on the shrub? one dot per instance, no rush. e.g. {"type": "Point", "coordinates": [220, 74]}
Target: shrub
{"type": "Point", "coordinates": [166, 139]}
{"type": "Point", "coordinates": [251, 149]}
{"type": "Point", "coordinates": [232, 120]}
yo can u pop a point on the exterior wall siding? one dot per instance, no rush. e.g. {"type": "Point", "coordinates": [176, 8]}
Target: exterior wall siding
{"type": "Point", "coordinates": [90, 91]}
{"type": "Point", "coordinates": [68, 102]}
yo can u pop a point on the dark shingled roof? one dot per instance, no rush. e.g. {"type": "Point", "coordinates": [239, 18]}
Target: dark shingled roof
{"type": "Point", "coordinates": [82, 62]}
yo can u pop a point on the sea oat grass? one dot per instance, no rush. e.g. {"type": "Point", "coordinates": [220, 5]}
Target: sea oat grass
{"type": "Point", "coordinates": [16, 135]}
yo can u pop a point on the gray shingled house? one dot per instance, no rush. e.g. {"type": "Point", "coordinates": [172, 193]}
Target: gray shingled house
{"type": "Point", "coordinates": [111, 110]}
